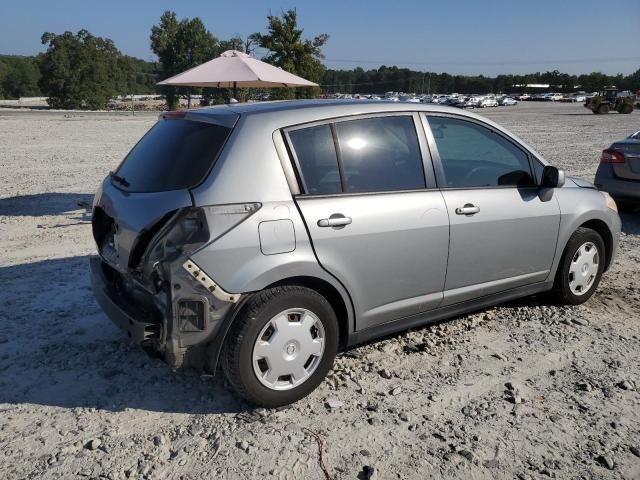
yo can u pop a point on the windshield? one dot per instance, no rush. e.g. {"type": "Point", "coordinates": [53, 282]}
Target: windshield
{"type": "Point", "coordinates": [175, 154]}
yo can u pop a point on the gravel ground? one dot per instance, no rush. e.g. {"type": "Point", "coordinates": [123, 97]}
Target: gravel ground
{"type": "Point", "coordinates": [523, 390]}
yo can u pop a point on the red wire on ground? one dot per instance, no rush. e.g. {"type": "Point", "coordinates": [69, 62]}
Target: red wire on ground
{"type": "Point", "coordinates": [320, 441]}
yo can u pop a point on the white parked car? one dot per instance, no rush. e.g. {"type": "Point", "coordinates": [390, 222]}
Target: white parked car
{"type": "Point", "coordinates": [507, 101]}
{"type": "Point", "coordinates": [555, 97]}
{"type": "Point", "coordinates": [488, 102]}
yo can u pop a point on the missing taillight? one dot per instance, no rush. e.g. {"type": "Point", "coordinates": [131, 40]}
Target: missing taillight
{"type": "Point", "coordinates": [145, 238]}
{"type": "Point", "coordinates": [180, 234]}
{"type": "Point", "coordinates": [611, 156]}
{"type": "Point", "coordinates": [185, 232]}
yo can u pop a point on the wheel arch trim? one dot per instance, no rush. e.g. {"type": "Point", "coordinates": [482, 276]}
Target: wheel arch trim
{"type": "Point", "coordinates": [604, 231]}
{"type": "Point", "coordinates": [597, 220]}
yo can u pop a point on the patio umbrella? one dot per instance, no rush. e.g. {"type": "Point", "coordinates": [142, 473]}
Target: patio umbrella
{"type": "Point", "coordinates": [235, 69]}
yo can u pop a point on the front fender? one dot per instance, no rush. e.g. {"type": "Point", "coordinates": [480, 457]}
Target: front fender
{"type": "Point", "coordinates": [577, 207]}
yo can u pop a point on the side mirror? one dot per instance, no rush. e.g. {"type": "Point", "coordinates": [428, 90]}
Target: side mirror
{"type": "Point", "coordinates": [552, 177]}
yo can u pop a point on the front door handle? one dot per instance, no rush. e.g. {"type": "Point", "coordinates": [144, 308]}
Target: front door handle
{"type": "Point", "coordinates": [468, 209]}
{"type": "Point", "coordinates": [335, 220]}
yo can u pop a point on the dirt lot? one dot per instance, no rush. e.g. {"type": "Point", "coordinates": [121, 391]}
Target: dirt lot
{"type": "Point", "coordinates": [524, 390]}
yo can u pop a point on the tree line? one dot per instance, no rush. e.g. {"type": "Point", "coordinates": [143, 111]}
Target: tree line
{"type": "Point", "coordinates": [85, 71]}
{"type": "Point", "coordinates": [396, 79]}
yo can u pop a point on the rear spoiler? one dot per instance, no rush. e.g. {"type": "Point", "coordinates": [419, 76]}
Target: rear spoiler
{"type": "Point", "coordinates": [215, 115]}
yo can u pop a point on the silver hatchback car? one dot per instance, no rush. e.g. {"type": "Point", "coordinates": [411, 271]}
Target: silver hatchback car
{"type": "Point", "coordinates": [267, 237]}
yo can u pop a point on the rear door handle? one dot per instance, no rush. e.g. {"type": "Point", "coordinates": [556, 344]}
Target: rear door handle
{"type": "Point", "coordinates": [335, 220]}
{"type": "Point", "coordinates": [468, 209]}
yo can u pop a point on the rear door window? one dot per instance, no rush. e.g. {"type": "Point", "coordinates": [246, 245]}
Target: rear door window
{"type": "Point", "coordinates": [475, 156]}
{"type": "Point", "coordinates": [175, 154]}
{"type": "Point", "coordinates": [380, 154]}
{"type": "Point", "coordinates": [375, 154]}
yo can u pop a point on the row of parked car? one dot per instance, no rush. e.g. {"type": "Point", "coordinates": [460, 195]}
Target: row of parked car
{"type": "Point", "coordinates": [452, 100]}
{"type": "Point", "coordinates": [556, 97]}
{"type": "Point", "coordinates": [473, 101]}
{"type": "Point", "coordinates": [476, 101]}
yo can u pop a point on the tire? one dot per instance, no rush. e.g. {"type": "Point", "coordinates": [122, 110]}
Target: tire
{"type": "Point", "coordinates": [562, 291]}
{"type": "Point", "coordinates": [259, 314]}
{"type": "Point", "coordinates": [603, 109]}
{"type": "Point", "coordinates": [626, 109]}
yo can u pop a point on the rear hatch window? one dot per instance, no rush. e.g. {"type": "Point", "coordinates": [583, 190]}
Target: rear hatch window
{"type": "Point", "coordinates": [175, 154]}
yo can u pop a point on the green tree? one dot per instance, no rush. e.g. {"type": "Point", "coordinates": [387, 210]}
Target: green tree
{"type": "Point", "coordinates": [289, 51]}
{"type": "Point", "coordinates": [19, 77]}
{"type": "Point", "coordinates": [81, 71]}
{"type": "Point", "coordinates": [181, 45]}
{"type": "Point", "coordinates": [142, 75]}
{"type": "Point", "coordinates": [238, 43]}
{"type": "Point", "coordinates": [392, 78]}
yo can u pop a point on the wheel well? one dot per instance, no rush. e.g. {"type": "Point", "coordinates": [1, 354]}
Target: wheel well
{"type": "Point", "coordinates": [602, 229]}
{"type": "Point", "coordinates": [329, 292]}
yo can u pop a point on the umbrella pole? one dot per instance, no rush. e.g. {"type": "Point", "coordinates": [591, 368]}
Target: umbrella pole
{"type": "Point", "coordinates": [235, 90]}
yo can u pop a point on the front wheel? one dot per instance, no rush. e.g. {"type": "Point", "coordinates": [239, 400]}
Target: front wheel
{"type": "Point", "coordinates": [281, 346]}
{"type": "Point", "coordinates": [580, 268]}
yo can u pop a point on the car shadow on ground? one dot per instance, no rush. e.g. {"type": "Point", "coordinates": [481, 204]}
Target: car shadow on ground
{"type": "Point", "coordinates": [58, 349]}
{"type": "Point", "coordinates": [41, 204]}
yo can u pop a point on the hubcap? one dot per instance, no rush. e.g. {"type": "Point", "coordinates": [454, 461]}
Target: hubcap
{"type": "Point", "coordinates": [288, 349]}
{"type": "Point", "coordinates": [584, 268]}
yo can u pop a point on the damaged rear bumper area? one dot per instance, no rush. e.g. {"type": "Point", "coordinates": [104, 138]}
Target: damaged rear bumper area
{"type": "Point", "coordinates": [141, 325]}
{"type": "Point", "coordinates": [180, 321]}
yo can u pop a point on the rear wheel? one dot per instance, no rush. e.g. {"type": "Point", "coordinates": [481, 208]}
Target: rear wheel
{"type": "Point", "coordinates": [580, 268]}
{"type": "Point", "coordinates": [282, 346]}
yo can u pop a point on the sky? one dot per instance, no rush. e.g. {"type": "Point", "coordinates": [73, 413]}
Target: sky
{"type": "Point", "coordinates": [455, 36]}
